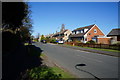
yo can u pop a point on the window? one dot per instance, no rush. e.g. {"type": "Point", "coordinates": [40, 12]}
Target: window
{"type": "Point", "coordinates": [89, 33]}
{"type": "Point", "coordinates": [73, 32]}
{"type": "Point", "coordinates": [95, 31]}
{"type": "Point", "coordinates": [81, 31]}
{"type": "Point", "coordinates": [77, 32]}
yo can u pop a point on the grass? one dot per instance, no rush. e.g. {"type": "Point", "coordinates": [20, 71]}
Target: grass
{"type": "Point", "coordinates": [42, 55]}
{"type": "Point", "coordinates": [58, 70]}
{"type": "Point", "coordinates": [62, 72]}
{"type": "Point", "coordinates": [102, 49]}
{"type": "Point", "coordinates": [34, 52]}
{"type": "Point", "coordinates": [96, 48]}
{"type": "Point", "coordinates": [26, 44]}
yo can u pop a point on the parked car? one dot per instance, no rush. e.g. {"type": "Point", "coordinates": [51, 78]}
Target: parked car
{"type": "Point", "coordinates": [60, 42]}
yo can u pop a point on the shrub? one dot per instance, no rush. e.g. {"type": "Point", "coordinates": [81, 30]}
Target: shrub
{"type": "Point", "coordinates": [53, 41]}
{"type": "Point", "coordinates": [91, 42]}
{"type": "Point", "coordinates": [41, 73]}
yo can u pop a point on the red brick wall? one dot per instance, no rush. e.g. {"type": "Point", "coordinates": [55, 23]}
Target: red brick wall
{"type": "Point", "coordinates": [92, 34]}
{"type": "Point", "coordinates": [104, 40]}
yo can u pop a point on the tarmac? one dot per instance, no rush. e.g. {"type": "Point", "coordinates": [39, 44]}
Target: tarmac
{"type": "Point", "coordinates": [110, 53]}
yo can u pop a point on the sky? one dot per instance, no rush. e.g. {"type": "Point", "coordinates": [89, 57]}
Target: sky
{"type": "Point", "coordinates": [47, 17]}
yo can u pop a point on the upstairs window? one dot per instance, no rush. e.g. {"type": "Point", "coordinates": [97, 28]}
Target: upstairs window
{"type": "Point", "coordinates": [81, 31]}
{"type": "Point", "coordinates": [77, 32]}
{"type": "Point", "coordinates": [73, 32]}
{"type": "Point", "coordinates": [95, 31]}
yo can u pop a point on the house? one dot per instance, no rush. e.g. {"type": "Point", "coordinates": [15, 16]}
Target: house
{"type": "Point", "coordinates": [115, 35]}
{"type": "Point", "coordinates": [62, 35]}
{"type": "Point", "coordinates": [49, 35]}
{"type": "Point", "coordinates": [87, 33]}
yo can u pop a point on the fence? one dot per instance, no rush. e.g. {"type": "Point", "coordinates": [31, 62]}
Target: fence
{"type": "Point", "coordinates": [103, 46]}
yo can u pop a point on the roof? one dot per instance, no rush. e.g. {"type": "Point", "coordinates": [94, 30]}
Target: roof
{"type": "Point", "coordinates": [60, 32]}
{"type": "Point", "coordinates": [86, 27]}
{"type": "Point", "coordinates": [82, 34]}
{"type": "Point", "coordinates": [114, 32]}
{"type": "Point", "coordinates": [77, 35]}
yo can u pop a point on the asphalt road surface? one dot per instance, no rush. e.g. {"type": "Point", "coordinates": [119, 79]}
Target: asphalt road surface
{"type": "Point", "coordinates": [102, 66]}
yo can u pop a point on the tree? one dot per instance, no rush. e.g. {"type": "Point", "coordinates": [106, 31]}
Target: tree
{"type": "Point", "coordinates": [42, 37]}
{"type": "Point", "coordinates": [26, 28]}
{"type": "Point", "coordinates": [18, 20]}
{"type": "Point", "coordinates": [12, 17]}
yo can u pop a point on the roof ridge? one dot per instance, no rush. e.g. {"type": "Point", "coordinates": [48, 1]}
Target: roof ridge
{"type": "Point", "coordinates": [85, 27]}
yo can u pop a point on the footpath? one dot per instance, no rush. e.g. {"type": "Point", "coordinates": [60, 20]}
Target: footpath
{"type": "Point", "coordinates": [110, 53]}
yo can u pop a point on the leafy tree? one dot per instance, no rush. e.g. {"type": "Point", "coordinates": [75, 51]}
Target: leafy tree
{"type": "Point", "coordinates": [18, 20]}
{"type": "Point", "coordinates": [42, 37]}
{"type": "Point", "coordinates": [26, 28]}
{"type": "Point", "coordinates": [47, 39]}
{"type": "Point", "coordinates": [12, 17]}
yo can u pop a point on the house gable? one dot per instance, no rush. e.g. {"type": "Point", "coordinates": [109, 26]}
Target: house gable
{"type": "Point", "coordinates": [80, 32]}
{"type": "Point", "coordinates": [93, 32]}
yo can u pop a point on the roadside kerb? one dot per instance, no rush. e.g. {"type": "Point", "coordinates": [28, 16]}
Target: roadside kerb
{"type": "Point", "coordinates": [50, 63]}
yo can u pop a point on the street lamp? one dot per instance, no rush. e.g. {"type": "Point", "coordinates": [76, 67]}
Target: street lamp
{"type": "Point", "coordinates": [77, 65]}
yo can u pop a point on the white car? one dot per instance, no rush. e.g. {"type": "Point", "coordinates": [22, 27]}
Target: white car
{"type": "Point", "coordinates": [60, 42]}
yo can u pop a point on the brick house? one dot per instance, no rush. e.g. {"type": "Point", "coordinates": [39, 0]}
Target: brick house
{"type": "Point", "coordinates": [115, 36]}
{"type": "Point", "coordinates": [87, 33]}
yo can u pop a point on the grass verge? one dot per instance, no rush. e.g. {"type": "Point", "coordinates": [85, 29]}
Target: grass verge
{"type": "Point", "coordinates": [95, 48]}
{"type": "Point", "coordinates": [58, 70]}
{"type": "Point", "coordinates": [62, 72]}
{"type": "Point", "coordinates": [102, 49]}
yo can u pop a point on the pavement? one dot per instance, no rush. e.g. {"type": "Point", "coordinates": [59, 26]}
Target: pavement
{"type": "Point", "coordinates": [102, 66]}
{"type": "Point", "coordinates": [110, 53]}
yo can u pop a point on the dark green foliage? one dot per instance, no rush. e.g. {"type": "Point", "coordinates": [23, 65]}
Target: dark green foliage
{"type": "Point", "coordinates": [16, 18]}
{"type": "Point", "coordinates": [42, 73]}
{"type": "Point", "coordinates": [91, 42]}
{"type": "Point", "coordinates": [47, 39]}
{"type": "Point", "coordinates": [25, 34]}
{"type": "Point", "coordinates": [53, 41]}
{"type": "Point", "coordinates": [12, 14]}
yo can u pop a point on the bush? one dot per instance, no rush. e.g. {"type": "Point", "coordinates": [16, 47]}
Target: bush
{"type": "Point", "coordinates": [91, 42]}
{"type": "Point", "coordinates": [41, 73]}
{"type": "Point", "coordinates": [53, 41]}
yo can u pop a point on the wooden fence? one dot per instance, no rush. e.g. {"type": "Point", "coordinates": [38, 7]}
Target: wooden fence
{"type": "Point", "coordinates": [103, 46]}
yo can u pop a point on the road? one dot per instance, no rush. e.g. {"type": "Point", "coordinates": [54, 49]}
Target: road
{"type": "Point", "coordinates": [102, 66]}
